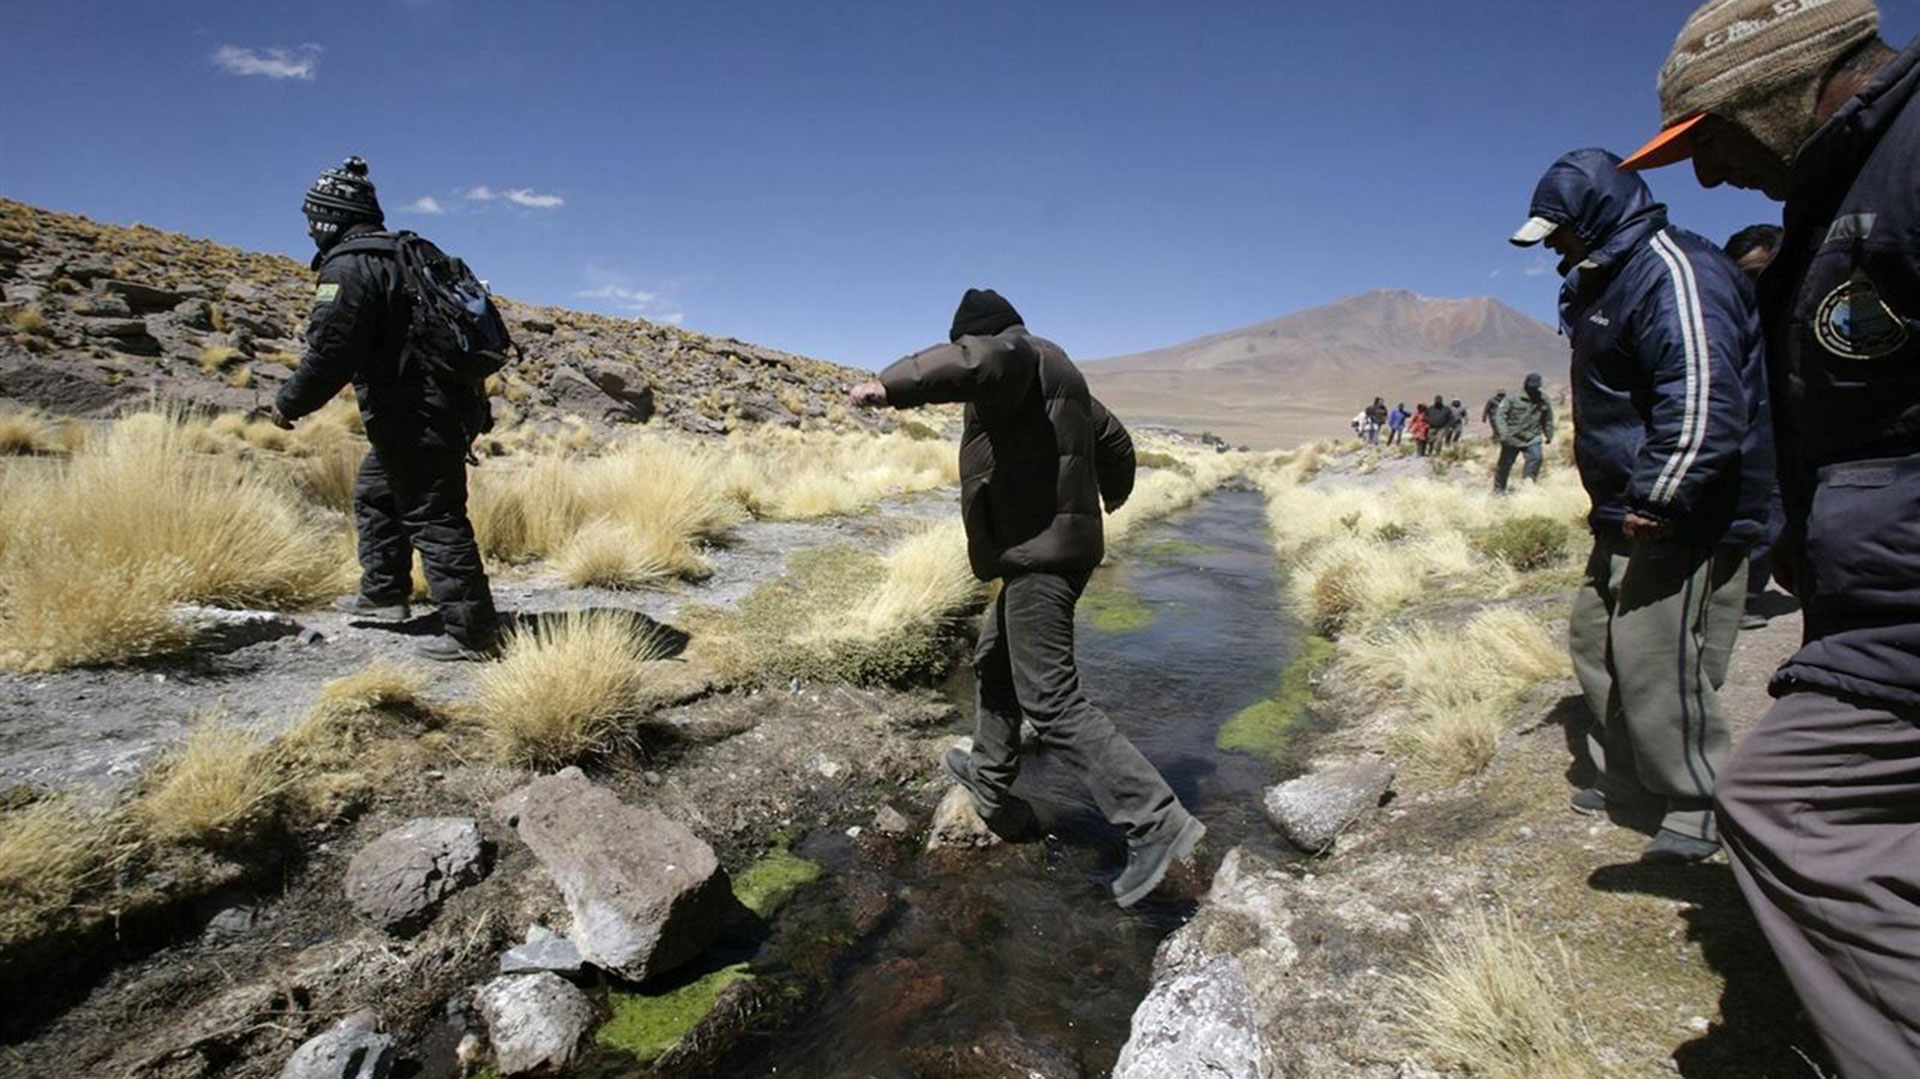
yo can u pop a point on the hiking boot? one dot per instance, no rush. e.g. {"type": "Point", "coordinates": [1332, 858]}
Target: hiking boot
{"type": "Point", "coordinates": [1148, 862]}
{"type": "Point", "coordinates": [1671, 848]}
{"type": "Point", "coordinates": [1588, 800]}
{"type": "Point", "coordinates": [373, 610]}
{"type": "Point", "coordinates": [1014, 822]}
{"type": "Point", "coordinates": [1753, 620]}
{"type": "Point", "coordinates": [444, 649]}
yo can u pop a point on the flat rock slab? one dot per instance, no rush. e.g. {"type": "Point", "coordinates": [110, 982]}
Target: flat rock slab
{"type": "Point", "coordinates": [1313, 810]}
{"type": "Point", "coordinates": [535, 1021]}
{"type": "Point", "coordinates": [400, 879]}
{"type": "Point", "coordinates": [1198, 1024]}
{"type": "Point", "coordinates": [353, 1049]}
{"type": "Point", "coordinates": [543, 950]}
{"type": "Point", "coordinates": [646, 894]}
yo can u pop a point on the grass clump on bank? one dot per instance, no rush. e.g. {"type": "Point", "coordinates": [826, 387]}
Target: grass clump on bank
{"type": "Point", "coordinates": [1494, 1000]}
{"type": "Point", "coordinates": [1263, 728]}
{"type": "Point", "coordinates": [220, 788]}
{"type": "Point", "coordinates": [1527, 543]}
{"type": "Point", "coordinates": [50, 853]}
{"type": "Point", "coordinates": [562, 689]}
{"type": "Point", "coordinates": [96, 550]}
{"type": "Point", "coordinates": [1459, 682]}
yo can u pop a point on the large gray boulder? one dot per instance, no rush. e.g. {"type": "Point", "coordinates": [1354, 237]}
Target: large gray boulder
{"type": "Point", "coordinates": [646, 894]}
{"type": "Point", "coordinates": [1313, 810]}
{"type": "Point", "coordinates": [145, 299]}
{"type": "Point", "coordinates": [535, 1021]}
{"type": "Point", "coordinates": [400, 879]}
{"type": "Point", "coordinates": [1198, 1023]}
{"type": "Point", "coordinates": [352, 1049]}
{"type": "Point", "coordinates": [602, 391]}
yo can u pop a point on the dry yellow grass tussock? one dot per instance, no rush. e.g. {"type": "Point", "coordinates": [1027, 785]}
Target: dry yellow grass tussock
{"type": "Point", "coordinates": [791, 475]}
{"type": "Point", "coordinates": [96, 548]}
{"type": "Point", "coordinates": [50, 851]}
{"type": "Point", "coordinates": [926, 579]}
{"type": "Point", "coordinates": [1496, 1001]}
{"type": "Point", "coordinates": [28, 431]}
{"type": "Point", "coordinates": [1459, 682]}
{"type": "Point", "coordinates": [219, 788]}
{"type": "Point", "coordinates": [562, 689]}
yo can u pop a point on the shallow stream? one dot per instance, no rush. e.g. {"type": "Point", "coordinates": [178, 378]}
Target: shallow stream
{"type": "Point", "coordinates": [1015, 959]}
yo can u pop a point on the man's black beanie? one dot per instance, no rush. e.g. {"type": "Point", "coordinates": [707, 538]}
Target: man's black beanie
{"type": "Point", "coordinates": [343, 196]}
{"type": "Point", "coordinates": [982, 313]}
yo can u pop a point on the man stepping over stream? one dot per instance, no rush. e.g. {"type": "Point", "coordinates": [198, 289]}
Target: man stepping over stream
{"type": "Point", "coordinates": [1037, 458]}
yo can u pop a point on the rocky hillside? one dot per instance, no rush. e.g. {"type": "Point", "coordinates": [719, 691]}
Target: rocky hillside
{"type": "Point", "coordinates": [1301, 377]}
{"type": "Point", "coordinates": [98, 315]}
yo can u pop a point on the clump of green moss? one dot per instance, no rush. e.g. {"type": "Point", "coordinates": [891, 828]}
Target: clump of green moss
{"type": "Point", "coordinates": [1262, 728]}
{"type": "Point", "coordinates": [646, 1025]}
{"type": "Point", "coordinates": [1112, 607]}
{"type": "Point", "coordinates": [768, 884]}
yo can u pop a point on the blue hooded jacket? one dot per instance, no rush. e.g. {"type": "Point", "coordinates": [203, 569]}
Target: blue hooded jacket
{"type": "Point", "coordinates": [1669, 375]}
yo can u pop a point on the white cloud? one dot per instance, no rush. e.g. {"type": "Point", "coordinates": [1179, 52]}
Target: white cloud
{"type": "Point", "coordinates": [533, 200]}
{"type": "Point", "coordinates": [425, 204]}
{"type": "Point", "coordinates": [480, 193]}
{"type": "Point", "coordinates": [674, 319]}
{"type": "Point", "coordinates": [1538, 269]}
{"type": "Point", "coordinates": [624, 297]}
{"type": "Point", "coordinates": [299, 63]}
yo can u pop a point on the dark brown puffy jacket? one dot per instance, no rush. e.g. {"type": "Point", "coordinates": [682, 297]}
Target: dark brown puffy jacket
{"type": "Point", "coordinates": [1037, 456]}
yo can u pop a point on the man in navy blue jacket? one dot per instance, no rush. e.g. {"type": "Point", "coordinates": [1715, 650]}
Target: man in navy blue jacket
{"type": "Point", "coordinates": [1821, 805]}
{"type": "Point", "coordinates": [1671, 435]}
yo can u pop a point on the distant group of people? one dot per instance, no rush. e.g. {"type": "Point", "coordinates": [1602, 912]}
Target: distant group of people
{"type": "Point", "coordinates": [1748, 409]}
{"type": "Point", "coordinates": [1430, 427]}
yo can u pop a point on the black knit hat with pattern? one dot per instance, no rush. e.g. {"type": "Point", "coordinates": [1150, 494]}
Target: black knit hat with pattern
{"type": "Point", "coordinates": [982, 313]}
{"type": "Point", "coordinates": [343, 196]}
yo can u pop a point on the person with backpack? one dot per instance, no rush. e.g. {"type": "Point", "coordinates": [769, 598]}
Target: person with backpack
{"type": "Point", "coordinates": [1039, 456]}
{"type": "Point", "coordinates": [1490, 415]}
{"type": "Point", "coordinates": [373, 325]}
{"type": "Point", "coordinates": [1396, 423]}
{"type": "Point", "coordinates": [1459, 425]}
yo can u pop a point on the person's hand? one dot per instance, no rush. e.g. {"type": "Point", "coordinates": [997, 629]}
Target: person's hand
{"type": "Point", "coordinates": [278, 419]}
{"type": "Point", "coordinates": [1114, 507]}
{"type": "Point", "coordinates": [868, 394]}
{"type": "Point", "coordinates": [1639, 526]}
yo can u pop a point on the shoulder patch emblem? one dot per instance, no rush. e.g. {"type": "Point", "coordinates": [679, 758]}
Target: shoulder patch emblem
{"type": "Point", "coordinates": [325, 293]}
{"type": "Point", "coordinates": [1854, 323]}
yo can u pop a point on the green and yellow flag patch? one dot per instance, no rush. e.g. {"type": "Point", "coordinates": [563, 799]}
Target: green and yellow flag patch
{"type": "Point", "coordinates": [325, 293]}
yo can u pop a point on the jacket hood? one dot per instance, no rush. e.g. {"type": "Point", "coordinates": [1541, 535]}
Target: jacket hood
{"type": "Point", "coordinates": [1609, 210]}
{"type": "Point", "coordinates": [982, 313]}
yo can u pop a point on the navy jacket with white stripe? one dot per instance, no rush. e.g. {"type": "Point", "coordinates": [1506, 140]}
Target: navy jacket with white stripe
{"type": "Point", "coordinates": [1669, 374]}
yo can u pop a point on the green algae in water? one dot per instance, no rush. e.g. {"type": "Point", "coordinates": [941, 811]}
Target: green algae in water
{"type": "Point", "coordinates": [1166, 551]}
{"type": "Point", "coordinates": [646, 1025]}
{"type": "Point", "coordinates": [1262, 728]}
{"type": "Point", "coordinates": [1112, 607]}
{"type": "Point", "coordinates": [768, 884]}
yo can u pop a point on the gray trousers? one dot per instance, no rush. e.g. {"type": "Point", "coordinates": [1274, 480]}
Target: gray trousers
{"type": "Point", "coordinates": [1820, 809]}
{"type": "Point", "coordinates": [1652, 631]}
{"type": "Point", "coordinates": [1503, 468]}
{"type": "Point", "coordinates": [418, 500]}
{"type": "Point", "coordinates": [1024, 666]}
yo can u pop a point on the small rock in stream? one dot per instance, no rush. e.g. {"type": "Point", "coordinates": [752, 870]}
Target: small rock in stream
{"type": "Point", "coordinates": [353, 1049]}
{"type": "Point", "coordinates": [956, 824]}
{"type": "Point", "coordinates": [543, 950]}
{"type": "Point", "coordinates": [534, 1021]}
{"type": "Point", "coordinates": [1313, 810]}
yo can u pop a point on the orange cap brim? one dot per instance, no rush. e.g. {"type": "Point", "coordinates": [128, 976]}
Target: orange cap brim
{"type": "Point", "coordinates": [1669, 146]}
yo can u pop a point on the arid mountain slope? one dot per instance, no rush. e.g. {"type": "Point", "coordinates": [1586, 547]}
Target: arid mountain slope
{"type": "Point", "coordinates": [1303, 376]}
{"type": "Point", "coordinates": [96, 316]}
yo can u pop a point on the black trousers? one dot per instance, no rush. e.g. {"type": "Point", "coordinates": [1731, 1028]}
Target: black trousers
{"type": "Point", "coordinates": [1024, 667]}
{"type": "Point", "coordinates": [417, 500]}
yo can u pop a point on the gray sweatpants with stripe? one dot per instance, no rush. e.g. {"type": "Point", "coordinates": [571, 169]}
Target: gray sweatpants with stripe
{"type": "Point", "coordinates": [1652, 631]}
{"type": "Point", "coordinates": [1821, 814]}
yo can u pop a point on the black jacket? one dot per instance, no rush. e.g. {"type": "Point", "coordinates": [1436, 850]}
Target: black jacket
{"type": "Point", "coordinates": [1669, 375]}
{"type": "Point", "coordinates": [1037, 455]}
{"type": "Point", "coordinates": [358, 333]}
{"type": "Point", "coordinates": [1842, 308]}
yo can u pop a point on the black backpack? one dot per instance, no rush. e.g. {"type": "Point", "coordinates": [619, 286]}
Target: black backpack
{"type": "Point", "coordinates": [455, 332]}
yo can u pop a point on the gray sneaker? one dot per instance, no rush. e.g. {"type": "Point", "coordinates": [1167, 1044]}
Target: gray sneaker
{"type": "Point", "coordinates": [1013, 823]}
{"type": "Point", "coordinates": [1588, 800]}
{"type": "Point", "coordinates": [1147, 863]}
{"type": "Point", "coordinates": [444, 649]}
{"type": "Point", "coordinates": [372, 610]}
{"type": "Point", "coordinates": [1672, 848]}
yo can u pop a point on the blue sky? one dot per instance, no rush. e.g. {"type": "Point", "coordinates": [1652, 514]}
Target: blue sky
{"type": "Point", "coordinates": [828, 176]}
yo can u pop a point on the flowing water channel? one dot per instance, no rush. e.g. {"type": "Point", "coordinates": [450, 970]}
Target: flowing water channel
{"type": "Point", "coordinates": [1017, 955]}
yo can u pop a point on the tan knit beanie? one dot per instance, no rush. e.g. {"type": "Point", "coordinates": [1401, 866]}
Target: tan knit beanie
{"type": "Point", "coordinates": [1734, 52]}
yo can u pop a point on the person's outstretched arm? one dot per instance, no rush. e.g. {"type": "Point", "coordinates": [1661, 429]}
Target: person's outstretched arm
{"type": "Point", "coordinates": [972, 370]}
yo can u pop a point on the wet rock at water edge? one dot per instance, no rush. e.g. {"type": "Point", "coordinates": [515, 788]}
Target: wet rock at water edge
{"type": "Point", "coordinates": [353, 1049]}
{"type": "Point", "coordinates": [646, 894]}
{"type": "Point", "coordinates": [534, 1021]}
{"type": "Point", "coordinates": [543, 950]}
{"type": "Point", "coordinates": [1197, 1024]}
{"type": "Point", "coordinates": [1004, 1054]}
{"type": "Point", "coordinates": [1313, 810]}
{"type": "Point", "coordinates": [890, 821]}
{"type": "Point", "coordinates": [401, 878]}
{"type": "Point", "coordinates": [957, 824]}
